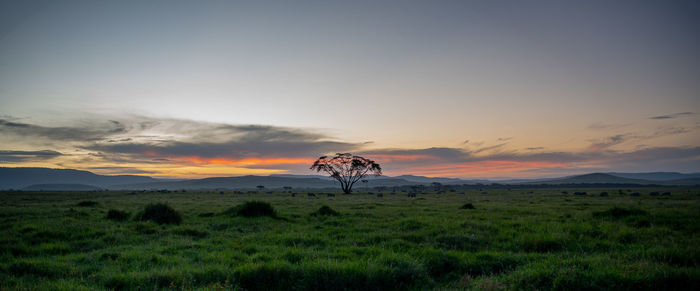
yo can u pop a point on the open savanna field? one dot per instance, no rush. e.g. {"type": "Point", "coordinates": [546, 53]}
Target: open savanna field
{"type": "Point", "coordinates": [510, 239]}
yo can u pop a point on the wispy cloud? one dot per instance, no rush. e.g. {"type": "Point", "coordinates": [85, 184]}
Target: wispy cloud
{"type": "Point", "coordinates": [27, 156]}
{"type": "Point", "coordinates": [670, 116]}
{"type": "Point", "coordinates": [607, 142]}
{"type": "Point", "coordinates": [88, 132]}
{"type": "Point", "coordinates": [602, 126]}
{"type": "Point", "coordinates": [146, 141]}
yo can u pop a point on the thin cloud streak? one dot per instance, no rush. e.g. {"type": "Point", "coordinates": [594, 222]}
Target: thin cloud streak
{"type": "Point", "coordinates": [671, 116]}
{"type": "Point", "coordinates": [26, 156]}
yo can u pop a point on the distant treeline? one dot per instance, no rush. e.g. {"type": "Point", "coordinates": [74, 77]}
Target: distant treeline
{"type": "Point", "coordinates": [458, 187]}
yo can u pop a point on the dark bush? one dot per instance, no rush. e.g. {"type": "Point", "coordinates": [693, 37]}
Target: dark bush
{"type": "Point", "coordinates": [618, 212]}
{"type": "Point", "coordinates": [87, 203]}
{"type": "Point", "coordinates": [467, 206]}
{"type": "Point", "coordinates": [159, 213]}
{"type": "Point", "coordinates": [117, 215]}
{"type": "Point", "coordinates": [325, 211]}
{"type": "Point", "coordinates": [252, 209]}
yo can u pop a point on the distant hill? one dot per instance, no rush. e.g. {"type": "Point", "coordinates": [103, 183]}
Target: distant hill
{"type": "Point", "coordinates": [603, 178]}
{"type": "Point", "coordinates": [595, 178]}
{"type": "Point", "coordinates": [428, 180]}
{"type": "Point", "coordinates": [657, 176]}
{"type": "Point", "coordinates": [683, 182]}
{"type": "Point", "coordinates": [61, 187]}
{"type": "Point", "coordinates": [18, 178]}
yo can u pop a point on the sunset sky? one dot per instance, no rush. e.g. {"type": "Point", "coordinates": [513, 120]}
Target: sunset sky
{"type": "Point", "coordinates": [469, 89]}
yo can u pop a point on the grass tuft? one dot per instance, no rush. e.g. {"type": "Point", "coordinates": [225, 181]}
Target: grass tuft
{"type": "Point", "coordinates": [467, 206]}
{"type": "Point", "coordinates": [325, 211]}
{"type": "Point", "coordinates": [252, 209]}
{"type": "Point", "coordinates": [87, 203]}
{"type": "Point", "coordinates": [619, 212]}
{"type": "Point", "coordinates": [159, 213]}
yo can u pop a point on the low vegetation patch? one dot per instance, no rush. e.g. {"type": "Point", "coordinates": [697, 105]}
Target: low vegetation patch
{"type": "Point", "coordinates": [192, 232]}
{"type": "Point", "coordinates": [117, 215]}
{"type": "Point", "coordinates": [325, 211]}
{"type": "Point", "coordinates": [619, 212]}
{"type": "Point", "coordinates": [467, 206]}
{"type": "Point", "coordinates": [252, 209]}
{"type": "Point", "coordinates": [87, 203]}
{"type": "Point", "coordinates": [159, 213]}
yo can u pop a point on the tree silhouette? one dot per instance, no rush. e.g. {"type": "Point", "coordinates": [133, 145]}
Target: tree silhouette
{"type": "Point", "coordinates": [347, 169]}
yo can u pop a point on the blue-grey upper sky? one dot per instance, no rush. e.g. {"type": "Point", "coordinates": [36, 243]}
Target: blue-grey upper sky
{"type": "Point", "coordinates": [508, 76]}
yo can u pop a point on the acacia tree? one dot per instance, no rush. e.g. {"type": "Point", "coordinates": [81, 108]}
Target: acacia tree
{"type": "Point", "coordinates": [347, 169]}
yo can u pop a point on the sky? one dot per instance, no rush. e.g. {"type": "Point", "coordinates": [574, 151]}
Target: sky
{"type": "Point", "coordinates": [468, 89]}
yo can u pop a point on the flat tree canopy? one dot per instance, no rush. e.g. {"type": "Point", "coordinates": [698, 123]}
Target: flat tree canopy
{"type": "Point", "coordinates": [347, 169]}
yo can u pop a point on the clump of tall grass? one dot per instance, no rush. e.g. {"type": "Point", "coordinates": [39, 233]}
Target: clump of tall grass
{"type": "Point", "coordinates": [619, 212]}
{"type": "Point", "coordinates": [160, 213]}
{"type": "Point", "coordinates": [467, 206]}
{"type": "Point", "coordinates": [325, 211]}
{"type": "Point", "coordinates": [252, 209]}
{"type": "Point", "coordinates": [87, 203]}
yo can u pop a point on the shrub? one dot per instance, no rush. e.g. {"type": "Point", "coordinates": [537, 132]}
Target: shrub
{"type": "Point", "coordinates": [117, 215]}
{"type": "Point", "coordinates": [325, 211]}
{"type": "Point", "coordinates": [252, 209]}
{"type": "Point", "coordinates": [467, 206]}
{"type": "Point", "coordinates": [87, 203]}
{"type": "Point", "coordinates": [159, 213]}
{"type": "Point", "coordinates": [618, 212]}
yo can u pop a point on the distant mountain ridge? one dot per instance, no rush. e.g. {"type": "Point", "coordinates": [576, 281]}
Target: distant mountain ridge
{"type": "Point", "coordinates": [595, 178]}
{"type": "Point", "coordinates": [61, 187]}
{"type": "Point", "coordinates": [56, 179]}
{"type": "Point", "coordinates": [603, 178]}
{"type": "Point", "coordinates": [656, 176]}
{"type": "Point", "coordinates": [18, 178]}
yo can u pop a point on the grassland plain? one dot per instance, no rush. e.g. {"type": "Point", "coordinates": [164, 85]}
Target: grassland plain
{"type": "Point", "coordinates": [509, 240]}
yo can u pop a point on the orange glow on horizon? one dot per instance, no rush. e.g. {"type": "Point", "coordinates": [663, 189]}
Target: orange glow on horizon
{"type": "Point", "coordinates": [199, 167]}
{"type": "Point", "coordinates": [391, 158]}
{"type": "Point", "coordinates": [481, 168]}
{"type": "Point", "coordinates": [247, 161]}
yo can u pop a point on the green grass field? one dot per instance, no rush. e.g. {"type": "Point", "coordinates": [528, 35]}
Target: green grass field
{"type": "Point", "coordinates": [510, 240]}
